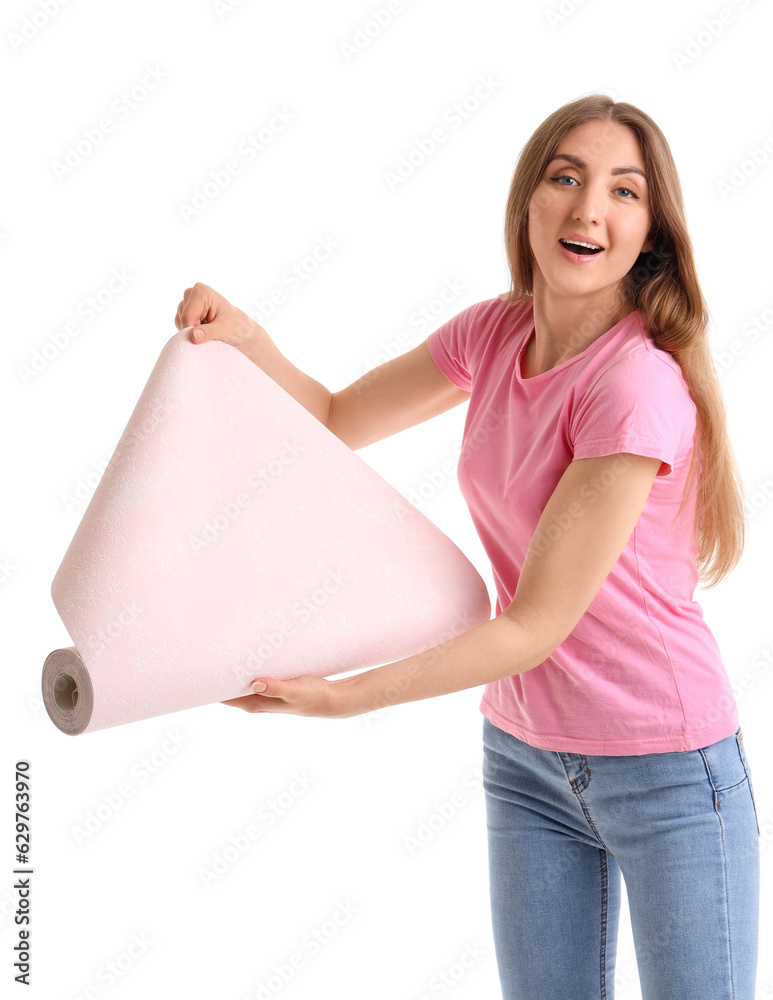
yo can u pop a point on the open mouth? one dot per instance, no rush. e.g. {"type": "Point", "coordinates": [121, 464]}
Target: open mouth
{"type": "Point", "coordinates": [580, 248]}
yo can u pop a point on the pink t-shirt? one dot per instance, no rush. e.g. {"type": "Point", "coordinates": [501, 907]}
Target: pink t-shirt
{"type": "Point", "coordinates": [641, 671]}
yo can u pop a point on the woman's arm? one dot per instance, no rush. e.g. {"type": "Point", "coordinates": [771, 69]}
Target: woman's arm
{"type": "Point", "coordinates": [580, 536]}
{"type": "Point", "coordinates": [396, 395]}
{"type": "Point", "coordinates": [402, 392]}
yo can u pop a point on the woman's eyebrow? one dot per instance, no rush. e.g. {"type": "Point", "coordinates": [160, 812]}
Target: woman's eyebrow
{"type": "Point", "coordinates": [582, 166]}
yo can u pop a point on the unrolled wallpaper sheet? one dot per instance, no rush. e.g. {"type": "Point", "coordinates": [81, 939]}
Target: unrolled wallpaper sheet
{"type": "Point", "coordinates": [232, 536]}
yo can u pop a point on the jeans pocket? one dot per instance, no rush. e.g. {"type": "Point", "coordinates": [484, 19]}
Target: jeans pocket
{"type": "Point", "coordinates": [724, 762]}
{"type": "Point", "coordinates": [747, 769]}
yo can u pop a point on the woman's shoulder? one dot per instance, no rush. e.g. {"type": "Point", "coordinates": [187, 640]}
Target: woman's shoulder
{"type": "Point", "coordinates": [504, 318]}
{"type": "Point", "coordinates": [642, 349]}
{"type": "Point", "coordinates": [494, 315]}
{"type": "Point", "coordinates": [508, 304]}
{"type": "Point", "coordinates": [634, 369]}
{"type": "Point", "coordinates": [513, 297]}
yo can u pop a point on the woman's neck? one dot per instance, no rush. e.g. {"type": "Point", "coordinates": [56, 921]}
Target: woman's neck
{"type": "Point", "coordinates": [565, 325]}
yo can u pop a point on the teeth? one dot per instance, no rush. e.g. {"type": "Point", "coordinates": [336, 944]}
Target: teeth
{"type": "Point", "coordinates": [579, 243]}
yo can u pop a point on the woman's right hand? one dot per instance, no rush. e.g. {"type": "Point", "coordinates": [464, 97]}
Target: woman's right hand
{"type": "Point", "coordinates": [208, 312]}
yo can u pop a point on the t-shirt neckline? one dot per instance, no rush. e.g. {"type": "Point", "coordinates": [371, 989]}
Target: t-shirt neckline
{"type": "Point", "coordinates": [586, 352]}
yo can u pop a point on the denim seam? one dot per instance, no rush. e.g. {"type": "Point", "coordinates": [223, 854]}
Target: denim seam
{"type": "Point", "coordinates": [727, 920]}
{"type": "Point", "coordinates": [724, 867]}
{"type": "Point", "coordinates": [604, 922]}
{"type": "Point", "coordinates": [747, 771]}
{"type": "Point", "coordinates": [578, 786]}
{"type": "Point", "coordinates": [714, 790]}
{"type": "Point", "coordinates": [591, 824]}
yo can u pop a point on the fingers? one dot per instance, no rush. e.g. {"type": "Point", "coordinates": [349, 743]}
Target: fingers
{"type": "Point", "coordinates": [305, 695]}
{"type": "Point", "coordinates": [259, 702]}
{"type": "Point", "coordinates": [248, 703]}
{"type": "Point", "coordinates": [198, 306]}
{"type": "Point", "coordinates": [190, 307]}
{"type": "Point", "coordinates": [180, 306]}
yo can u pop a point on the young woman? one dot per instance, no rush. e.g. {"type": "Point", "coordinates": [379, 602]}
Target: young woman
{"type": "Point", "coordinates": [611, 736]}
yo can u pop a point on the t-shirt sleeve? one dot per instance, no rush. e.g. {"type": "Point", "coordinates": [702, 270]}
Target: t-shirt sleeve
{"type": "Point", "coordinates": [638, 405]}
{"type": "Point", "coordinates": [452, 347]}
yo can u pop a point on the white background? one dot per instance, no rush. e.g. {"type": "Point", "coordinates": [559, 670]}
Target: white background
{"type": "Point", "coordinates": [136, 876]}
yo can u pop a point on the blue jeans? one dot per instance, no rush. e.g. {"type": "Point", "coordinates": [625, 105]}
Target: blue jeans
{"type": "Point", "coordinates": [681, 827]}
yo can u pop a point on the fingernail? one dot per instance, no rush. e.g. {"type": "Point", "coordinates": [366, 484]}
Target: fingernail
{"type": "Point", "coordinates": [258, 686]}
{"type": "Point", "coordinates": [198, 334]}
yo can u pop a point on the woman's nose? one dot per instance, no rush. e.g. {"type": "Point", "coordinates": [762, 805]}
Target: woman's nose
{"type": "Point", "coordinates": [589, 204]}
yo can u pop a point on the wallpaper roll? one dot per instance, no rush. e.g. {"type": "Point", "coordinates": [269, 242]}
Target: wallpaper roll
{"type": "Point", "coordinates": [232, 536]}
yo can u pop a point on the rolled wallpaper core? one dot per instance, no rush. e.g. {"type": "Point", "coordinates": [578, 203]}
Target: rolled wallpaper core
{"type": "Point", "coordinates": [233, 536]}
{"type": "Point", "coordinates": [67, 691]}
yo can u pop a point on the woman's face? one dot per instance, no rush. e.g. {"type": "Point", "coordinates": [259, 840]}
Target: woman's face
{"type": "Point", "coordinates": [599, 195]}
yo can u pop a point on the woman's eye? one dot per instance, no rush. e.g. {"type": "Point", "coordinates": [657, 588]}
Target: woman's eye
{"type": "Point", "coordinates": [565, 177]}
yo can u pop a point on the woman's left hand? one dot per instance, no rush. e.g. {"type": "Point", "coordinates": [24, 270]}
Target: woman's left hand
{"type": "Point", "coordinates": [308, 695]}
